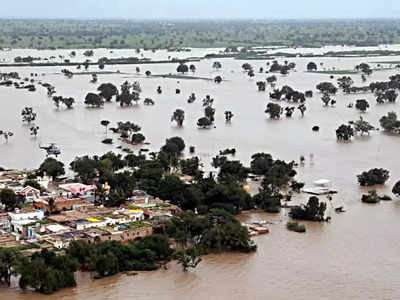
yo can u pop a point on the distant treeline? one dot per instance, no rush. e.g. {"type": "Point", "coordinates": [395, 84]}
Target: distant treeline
{"type": "Point", "coordinates": [55, 34]}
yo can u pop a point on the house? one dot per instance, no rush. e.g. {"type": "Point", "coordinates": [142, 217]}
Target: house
{"type": "Point", "coordinates": [26, 214]}
{"type": "Point", "coordinates": [26, 222]}
{"type": "Point", "coordinates": [79, 190]}
{"type": "Point", "coordinates": [60, 203]}
{"type": "Point", "coordinates": [5, 222]}
{"type": "Point", "coordinates": [28, 194]}
{"type": "Point", "coordinates": [140, 197]}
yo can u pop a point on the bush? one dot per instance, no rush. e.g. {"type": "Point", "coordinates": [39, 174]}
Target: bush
{"type": "Point", "coordinates": [385, 198]}
{"type": "Point", "coordinates": [294, 226]}
{"type": "Point", "coordinates": [371, 197]}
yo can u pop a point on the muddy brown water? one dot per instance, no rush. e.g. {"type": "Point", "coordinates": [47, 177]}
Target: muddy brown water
{"type": "Point", "coordinates": [356, 256]}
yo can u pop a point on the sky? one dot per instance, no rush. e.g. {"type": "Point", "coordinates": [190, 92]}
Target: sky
{"type": "Point", "coordinates": [200, 9]}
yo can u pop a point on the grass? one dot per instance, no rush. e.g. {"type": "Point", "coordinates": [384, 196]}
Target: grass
{"type": "Point", "coordinates": [296, 227]}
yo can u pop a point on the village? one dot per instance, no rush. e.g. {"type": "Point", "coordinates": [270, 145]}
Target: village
{"type": "Point", "coordinates": [66, 212]}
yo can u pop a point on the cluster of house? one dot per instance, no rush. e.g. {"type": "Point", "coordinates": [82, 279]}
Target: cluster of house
{"type": "Point", "coordinates": [54, 220]}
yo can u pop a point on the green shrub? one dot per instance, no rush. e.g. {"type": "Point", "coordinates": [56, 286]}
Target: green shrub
{"type": "Point", "coordinates": [294, 226]}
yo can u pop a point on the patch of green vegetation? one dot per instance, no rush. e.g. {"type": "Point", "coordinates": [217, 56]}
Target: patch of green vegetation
{"type": "Point", "coordinates": [294, 226]}
{"type": "Point", "coordinates": [335, 72]}
{"type": "Point", "coordinates": [24, 247]}
{"type": "Point", "coordinates": [175, 76]}
{"type": "Point", "coordinates": [128, 34]}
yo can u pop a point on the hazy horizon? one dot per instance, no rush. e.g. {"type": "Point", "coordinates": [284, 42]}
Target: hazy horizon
{"type": "Point", "coordinates": [199, 9]}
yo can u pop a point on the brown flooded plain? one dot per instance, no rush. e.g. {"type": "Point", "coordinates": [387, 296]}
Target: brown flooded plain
{"type": "Point", "coordinates": [356, 256]}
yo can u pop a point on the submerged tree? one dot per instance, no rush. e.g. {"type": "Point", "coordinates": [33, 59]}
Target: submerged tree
{"type": "Point", "coordinates": [362, 104]}
{"type": "Point", "coordinates": [6, 134]}
{"type": "Point", "coordinates": [92, 99]}
{"type": "Point", "coordinates": [105, 123]}
{"type": "Point", "coordinates": [390, 122]}
{"type": "Point", "coordinates": [107, 91]}
{"type": "Point", "coordinates": [361, 126]}
{"type": "Point", "coordinates": [344, 132]}
{"type": "Point", "coordinates": [182, 68]}
{"type": "Point", "coordinates": [34, 130]}
{"type": "Point", "coordinates": [28, 115]}
{"type": "Point", "coordinates": [274, 110]}
{"type": "Point", "coordinates": [217, 65]}
{"type": "Point", "coordinates": [312, 211]}
{"type": "Point", "coordinates": [188, 258]}
{"type": "Point", "coordinates": [228, 116]}
{"type": "Point", "coordinates": [373, 177]}
{"type": "Point", "coordinates": [178, 116]}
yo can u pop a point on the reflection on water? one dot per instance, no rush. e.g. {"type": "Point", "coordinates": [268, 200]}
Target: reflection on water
{"type": "Point", "coordinates": [355, 256]}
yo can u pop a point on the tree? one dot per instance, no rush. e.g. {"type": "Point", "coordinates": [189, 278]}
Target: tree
{"type": "Point", "coordinates": [174, 145]}
{"type": "Point", "coordinates": [261, 163]}
{"type": "Point", "coordinates": [396, 189]}
{"type": "Point", "coordinates": [345, 83]}
{"type": "Point", "coordinates": [247, 67]}
{"type": "Point", "coordinates": [362, 104]}
{"type": "Point", "coordinates": [312, 211]}
{"type": "Point", "coordinates": [209, 113]}
{"type": "Point", "coordinates": [361, 126]}
{"type": "Point", "coordinates": [274, 110]}
{"type": "Point", "coordinates": [107, 91]}
{"type": "Point", "coordinates": [192, 68]}
{"type": "Point", "coordinates": [190, 166]}
{"type": "Point", "coordinates": [311, 66]}
{"type": "Point", "coordinates": [68, 102]}
{"type": "Point", "coordinates": [92, 99]}
{"type": "Point", "coordinates": [271, 79]}
{"type": "Point", "coordinates": [105, 123]}
{"type": "Point", "coordinates": [365, 68]}
{"type": "Point", "coordinates": [261, 86]}
{"type": "Point", "coordinates": [327, 87]}
{"type": "Point", "coordinates": [218, 79]}
{"type": "Point", "coordinates": [373, 177]}
{"type": "Point", "coordinates": [10, 260]}
{"type": "Point", "coordinates": [52, 167]}
{"type": "Point", "coordinates": [228, 116]}
{"type": "Point", "coordinates": [188, 258]}
{"type": "Point", "coordinates": [8, 198]}
{"type": "Point", "coordinates": [344, 132]}
{"type": "Point", "coordinates": [28, 115]}
{"type": "Point", "coordinates": [217, 65]}
{"type": "Point", "coordinates": [178, 116]}
{"type": "Point", "coordinates": [182, 68]}
{"type": "Point", "coordinates": [138, 138]}
{"type": "Point", "coordinates": [6, 134]}
{"type": "Point", "coordinates": [326, 99]}
{"type": "Point", "coordinates": [302, 109]}
{"type": "Point", "coordinates": [390, 122]}
{"type": "Point", "coordinates": [34, 130]}
{"type": "Point", "coordinates": [127, 96]}
{"type": "Point", "coordinates": [269, 200]}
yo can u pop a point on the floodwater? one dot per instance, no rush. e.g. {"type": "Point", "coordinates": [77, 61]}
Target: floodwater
{"type": "Point", "coordinates": [356, 256]}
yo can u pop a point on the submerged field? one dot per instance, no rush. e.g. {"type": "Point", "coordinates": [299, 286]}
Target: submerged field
{"type": "Point", "coordinates": [343, 253]}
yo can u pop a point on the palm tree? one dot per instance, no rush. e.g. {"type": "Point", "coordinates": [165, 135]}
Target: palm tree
{"type": "Point", "coordinates": [105, 123]}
